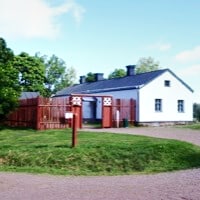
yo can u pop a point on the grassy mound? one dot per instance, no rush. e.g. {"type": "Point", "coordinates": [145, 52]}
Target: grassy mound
{"type": "Point", "coordinates": [96, 154]}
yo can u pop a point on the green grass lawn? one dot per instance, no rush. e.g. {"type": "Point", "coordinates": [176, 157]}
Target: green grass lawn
{"type": "Point", "coordinates": [195, 126]}
{"type": "Point", "coordinates": [50, 151]}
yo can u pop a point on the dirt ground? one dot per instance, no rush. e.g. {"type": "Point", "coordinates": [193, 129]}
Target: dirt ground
{"type": "Point", "coordinates": [180, 185]}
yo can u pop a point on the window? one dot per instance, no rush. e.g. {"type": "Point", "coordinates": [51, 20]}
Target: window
{"type": "Point", "coordinates": [167, 83]}
{"type": "Point", "coordinates": [180, 105]}
{"type": "Point", "coordinates": [158, 105]}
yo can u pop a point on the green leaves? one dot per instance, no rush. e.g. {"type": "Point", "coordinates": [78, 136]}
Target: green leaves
{"type": "Point", "coordinates": [196, 111]}
{"type": "Point", "coordinates": [9, 86]}
{"type": "Point", "coordinates": [57, 75]}
{"type": "Point", "coordinates": [31, 73]}
{"type": "Point", "coordinates": [90, 77]}
{"type": "Point", "coordinates": [146, 65]}
{"type": "Point", "coordinates": [117, 73]}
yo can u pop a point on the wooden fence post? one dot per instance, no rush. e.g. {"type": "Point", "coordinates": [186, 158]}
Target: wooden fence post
{"type": "Point", "coordinates": [38, 114]}
{"type": "Point", "coordinates": [132, 111]}
{"type": "Point", "coordinates": [74, 130]}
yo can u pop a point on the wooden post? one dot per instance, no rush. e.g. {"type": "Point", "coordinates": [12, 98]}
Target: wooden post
{"type": "Point", "coordinates": [74, 130]}
{"type": "Point", "coordinates": [132, 111]}
{"type": "Point", "coordinates": [38, 118]}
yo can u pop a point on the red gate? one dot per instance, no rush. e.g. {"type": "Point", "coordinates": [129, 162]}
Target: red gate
{"type": "Point", "coordinates": [76, 102]}
{"type": "Point", "coordinates": [106, 112]}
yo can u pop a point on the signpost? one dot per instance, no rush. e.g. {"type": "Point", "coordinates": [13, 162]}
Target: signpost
{"type": "Point", "coordinates": [74, 130]}
{"type": "Point", "coordinates": [73, 116]}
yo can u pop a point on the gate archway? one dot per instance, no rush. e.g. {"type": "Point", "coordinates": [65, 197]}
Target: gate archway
{"type": "Point", "coordinates": [104, 109]}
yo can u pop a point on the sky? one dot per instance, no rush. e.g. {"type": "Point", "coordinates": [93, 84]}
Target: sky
{"type": "Point", "coordinates": [99, 36]}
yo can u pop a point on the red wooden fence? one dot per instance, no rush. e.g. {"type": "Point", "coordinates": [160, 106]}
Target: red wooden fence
{"type": "Point", "coordinates": [24, 115]}
{"type": "Point", "coordinates": [126, 108]}
{"type": "Point", "coordinates": [40, 113]}
{"type": "Point", "coordinates": [49, 113]}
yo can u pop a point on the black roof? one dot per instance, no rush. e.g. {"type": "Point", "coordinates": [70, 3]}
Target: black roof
{"type": "Point", "coordinates": [123, 83]}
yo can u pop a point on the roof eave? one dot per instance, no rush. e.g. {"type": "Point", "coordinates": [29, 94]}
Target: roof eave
{"type": "Point", "coordinates": [185, 84]}
{"type": "Point", "coordinates": [100, 90]}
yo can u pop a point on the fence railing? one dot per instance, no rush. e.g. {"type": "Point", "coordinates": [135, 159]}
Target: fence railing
{"type": "Point", "coordinates": [24, 115]}
{"type": "Point", "coordinates": [40, 113]}
{"type": "Point", "coordinates": [49, 113]}
{"type": "Point", "coordinates": [126, 109]}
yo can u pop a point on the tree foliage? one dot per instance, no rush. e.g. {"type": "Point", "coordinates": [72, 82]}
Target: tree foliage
{"type": "Point", "coordinates": [66, 79]}
{"type": "Point", "coordinates": [42, 74]}
{"type": "Point", "coordinates": [146, 65]}
{"type": "Point", "coordinates": [196, 111]}
{"type": "Point", "coordinates": [90, 77]}
{"type": "Point", "coordinates": [57, 75]}
{"type": "Point", "coordinates": [31, 73]}
{"type": "Point", "coordinates": [117, 73]}
{"type": "Point", "coordinates": [9, 85]}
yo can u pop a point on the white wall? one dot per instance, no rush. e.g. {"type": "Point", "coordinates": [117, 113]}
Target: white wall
{"type": "Point", "coordinates": [169, 95]}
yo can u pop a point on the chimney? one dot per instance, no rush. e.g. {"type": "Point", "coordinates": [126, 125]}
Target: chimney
{"type": "Point", "coordinates": [82, 79]}
{"type": "Point", "coordinates": [99, 77]}
{"type": "Point", "coordinates": [130, 70]}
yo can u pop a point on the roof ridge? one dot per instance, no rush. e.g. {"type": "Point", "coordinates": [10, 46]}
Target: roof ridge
{"type": "Point", "coordinates": [165, 69]}
{"type": "Point", "coordinates": [121, 83]}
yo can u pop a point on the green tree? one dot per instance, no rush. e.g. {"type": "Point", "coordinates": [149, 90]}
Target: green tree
{"type": "Point", "coordinates": [196, 111]}
{"type": "Point", "coordinates": [9, 85]}
{"type": "Point", "coordinates": [31, 73]}
{"type": "Point", "coordinates": [117, 73]}
{"type": "Point", "coordinates": [67, 79]}
{"type": "Point", "coordinates": [90, 77]}
{"type": "Point", "coordinates": [57, 75]}
{"type": "Point", "coordinates": [146, 65]}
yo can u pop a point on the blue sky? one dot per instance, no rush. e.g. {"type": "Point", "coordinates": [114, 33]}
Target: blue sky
{"type": "Point", "coordinates": [101, 35]}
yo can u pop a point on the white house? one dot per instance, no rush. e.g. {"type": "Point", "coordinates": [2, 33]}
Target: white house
{"type": "Point", "coordinates": [161, 96]}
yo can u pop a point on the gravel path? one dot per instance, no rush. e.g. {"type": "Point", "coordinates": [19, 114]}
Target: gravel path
{"type": "Point", "coordinates": [180, 185]}
{"type": "Point", "coordinates": [184, 134]}
{"type": "Point", "coordinates": [183, 185]}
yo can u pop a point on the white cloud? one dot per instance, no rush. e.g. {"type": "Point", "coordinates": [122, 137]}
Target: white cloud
{"type": "Point", "coordinates": [191, 71]}
{"type": "Point", "coordinates": [189, 55]}
{"type": "Point", "coordinates": [35, 18]}
{"type": "Point", "coordinates": [70, 6]}
{"type": "Point", "coordinates": [160, 46]}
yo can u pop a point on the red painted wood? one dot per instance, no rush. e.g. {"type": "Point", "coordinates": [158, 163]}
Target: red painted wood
{"type": "Point", "coordinates": [78, 110]}
{"type": "Point", "coordinates": [40, 113]}
{"type": "Point", "coordinates": [74, 130]}
{"type": "Point", "coordinates": [107, 117]}
{"type": "Point", "coordinates": [45, 113]}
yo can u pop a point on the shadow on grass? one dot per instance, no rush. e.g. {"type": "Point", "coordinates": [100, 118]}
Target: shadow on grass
{"type": "Point", "coordinates": [4, 127]}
